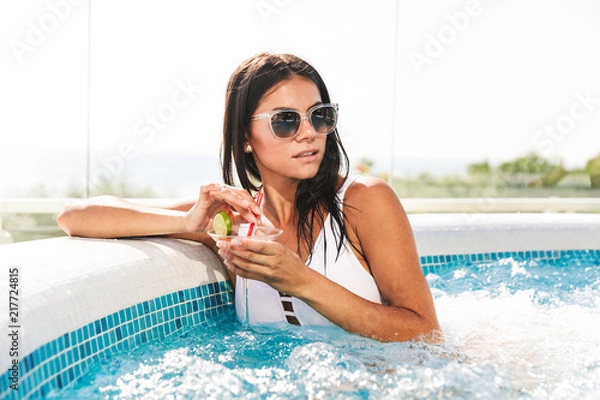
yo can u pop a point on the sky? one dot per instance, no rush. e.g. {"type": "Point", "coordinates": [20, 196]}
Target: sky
{"type": "Point", "coordinates": [421, 84]}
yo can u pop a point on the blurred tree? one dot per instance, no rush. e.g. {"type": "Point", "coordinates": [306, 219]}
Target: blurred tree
{"type": "Point", "coordinates": [593, 169]}
{"type": "Point", "coordinates": [426, 178]}
{"type": "Point", "coordinates": [529, 164]}
{"type": "Point", "coordinates": [479, 168]}
{"type": "Point", "coordinates": [551, 178]}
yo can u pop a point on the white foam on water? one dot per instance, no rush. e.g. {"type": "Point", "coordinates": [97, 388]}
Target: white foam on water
{"type": "Point", "coordinates": [513, 329]}
{"type": "Point", "coordinates": [548, 348]}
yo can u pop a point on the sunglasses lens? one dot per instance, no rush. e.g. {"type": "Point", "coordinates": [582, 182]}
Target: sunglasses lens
{"type": "Point", "coordinates": [285, 123]}
{"type": "Point", "coordinates": [324, 119]}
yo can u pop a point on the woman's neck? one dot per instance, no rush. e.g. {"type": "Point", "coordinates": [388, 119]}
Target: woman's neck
{"type": "Point", "coordinates": [278, 204]}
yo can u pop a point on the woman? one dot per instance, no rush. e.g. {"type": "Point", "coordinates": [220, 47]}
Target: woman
{"type": "Point", "coordinates": [347, 254]}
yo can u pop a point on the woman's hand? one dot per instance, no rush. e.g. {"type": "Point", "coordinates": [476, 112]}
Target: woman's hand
{"type": "Point", "coordinates": [265, 261]}
{"type": "Point", "coordinates": [214, 198]}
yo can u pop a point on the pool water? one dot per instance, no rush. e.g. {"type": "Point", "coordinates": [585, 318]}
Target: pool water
{"type": "Point", "coordinates": [514, 328]}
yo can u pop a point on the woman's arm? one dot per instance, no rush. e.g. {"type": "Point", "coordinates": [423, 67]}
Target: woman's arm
{"type": "Point", "coordinates": [112, 217]}
{"type": "Point", "coordinates": [378, 224]}
{"type": "Point", "coordinates": [380, 227]}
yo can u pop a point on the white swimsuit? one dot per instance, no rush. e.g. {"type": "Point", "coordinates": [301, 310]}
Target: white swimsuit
{"type": "Point", "coordinates": [265, 304]}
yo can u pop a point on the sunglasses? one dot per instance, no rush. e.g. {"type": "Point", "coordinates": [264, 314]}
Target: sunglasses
{"type": "Point", "coordinates": [285, 124]}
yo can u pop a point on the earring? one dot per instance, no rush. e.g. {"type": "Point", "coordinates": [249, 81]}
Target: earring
{"type": "Point", "coordinates": [248, 148]}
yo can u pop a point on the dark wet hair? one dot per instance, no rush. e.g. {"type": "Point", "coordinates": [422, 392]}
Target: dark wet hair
{"type": "Point", "coordinates": [315, 197]}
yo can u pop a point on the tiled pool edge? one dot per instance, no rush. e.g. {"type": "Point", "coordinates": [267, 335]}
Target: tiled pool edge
{"type": "Point", "coordinates": [67, 358]}
{"type": "Point", "coordinates": [433, 264]}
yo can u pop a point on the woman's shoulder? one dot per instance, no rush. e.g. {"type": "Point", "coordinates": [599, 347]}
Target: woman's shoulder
{"type": "Point", "coordinates": [362, 188]}
{"type": "Point", "coordinates": [373, 210]}
{"type": "Point", "coordinates": [370, 197]}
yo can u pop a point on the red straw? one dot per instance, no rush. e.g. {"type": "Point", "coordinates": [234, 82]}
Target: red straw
{"type": "Point", "coordinates": [259, 198]}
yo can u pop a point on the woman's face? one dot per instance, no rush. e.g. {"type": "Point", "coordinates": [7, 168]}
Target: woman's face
{"type": "Point", "coordinates": [296, 158]}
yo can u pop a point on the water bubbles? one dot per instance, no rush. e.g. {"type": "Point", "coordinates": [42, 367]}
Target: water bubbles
{"type": "Point", "coordinates": [514, 328]}
{"type": "Point", "coordinates": [536, 322]}
{"type": "Point", "coordinates": [459, 273]}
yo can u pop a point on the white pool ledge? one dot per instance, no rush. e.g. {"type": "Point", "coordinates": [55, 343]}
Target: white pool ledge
{"type": "Point", "coordinates": [438, 234]}
{"type": "Point", "coordinates": [66, 283]}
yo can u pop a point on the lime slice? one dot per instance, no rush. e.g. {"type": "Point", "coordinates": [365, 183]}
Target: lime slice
{"type": "Point", "coordinates": [222, 224]}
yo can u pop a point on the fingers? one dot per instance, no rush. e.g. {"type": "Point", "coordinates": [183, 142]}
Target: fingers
{"type": "Point", "coordinates": [249, 258]}
{"type": "Point", "coordinates": [248, 247]}
{"type": "Point", "coordinates": [238, 199]}
{"type": "Point", "coordinates": [253, 251]}
{"type": "Point", "coordinates": [237, 270]}
{"type": "Point", "coordinates": [237, 265]}
{"type": "Point", "coordinates": [264, 261]}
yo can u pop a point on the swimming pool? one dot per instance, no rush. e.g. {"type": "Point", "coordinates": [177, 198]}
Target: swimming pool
{"type": "Point", "coordinates": [516, 296]}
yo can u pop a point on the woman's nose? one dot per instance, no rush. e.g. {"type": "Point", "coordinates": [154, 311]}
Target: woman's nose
{"type": "Point", "coordinates": [306, 130]}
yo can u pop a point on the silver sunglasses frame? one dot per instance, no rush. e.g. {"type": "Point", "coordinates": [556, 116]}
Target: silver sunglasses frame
{"type": "Point", "coordinates": [303, 117]}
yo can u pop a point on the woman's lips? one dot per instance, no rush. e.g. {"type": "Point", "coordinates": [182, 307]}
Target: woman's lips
{"type": "Point", "coordinates": [306, 153]}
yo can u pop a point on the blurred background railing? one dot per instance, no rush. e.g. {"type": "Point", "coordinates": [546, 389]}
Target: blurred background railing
{"type": "Point", "coordinates": [35, 218]}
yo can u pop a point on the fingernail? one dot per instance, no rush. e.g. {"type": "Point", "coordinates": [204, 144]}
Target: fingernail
{"type": "Point", "coordinates": [221, 244]}
{"type": "Point", "coordinates": [236, 242]}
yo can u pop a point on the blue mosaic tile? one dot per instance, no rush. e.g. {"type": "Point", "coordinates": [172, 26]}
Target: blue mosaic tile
{"type": "Point", "coordinates": [431, 264]}
{"type": "Point", "coordinates": [59, 362]}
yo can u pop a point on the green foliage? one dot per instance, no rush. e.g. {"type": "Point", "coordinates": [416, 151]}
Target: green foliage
{"type": "Point", "coordinates": [529, 164]}
{"type": "Point", "coordinates": [525, 176]}
{"type": "Point", "coordinates": [481, 168]}
{"type": "Point", "coordinates": [593, 168]}
{"type": "Point", "coordinates": [551, 178]}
